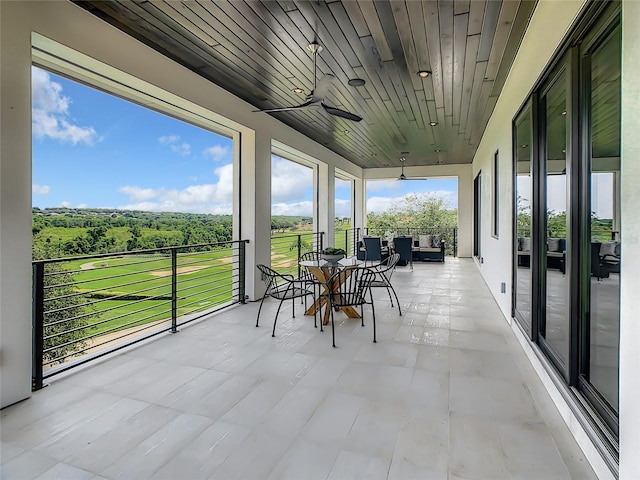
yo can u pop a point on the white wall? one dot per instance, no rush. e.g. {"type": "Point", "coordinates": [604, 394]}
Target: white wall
{"type": "Point", "coordinates": [72, 26]}
{"type": "Point", "coordinates": [549, 24]}
{"type": "Point", "coordinates": [630, 267]}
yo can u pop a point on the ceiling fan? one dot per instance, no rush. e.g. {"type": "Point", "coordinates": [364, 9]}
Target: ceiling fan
{"type": "Point", "coordinates": [316, 97]}
{"type": "Point", "coordinates": [402, 176]}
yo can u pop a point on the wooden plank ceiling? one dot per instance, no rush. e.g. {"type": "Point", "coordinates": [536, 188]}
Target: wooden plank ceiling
{"type": "Point", "coordinates": [257, 50]}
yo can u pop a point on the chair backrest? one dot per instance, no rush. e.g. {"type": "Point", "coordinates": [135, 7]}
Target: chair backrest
{"type": "Point", "coordinates": [315, 256]}
{"type": "Point", "coordinates": [271, 278]}
{"type": "Point", "coordinates": [350, 285]}
{"type": "Point", "coordinates": [373, 248]}
{"type": "Point", "coordinates": [402, 245]}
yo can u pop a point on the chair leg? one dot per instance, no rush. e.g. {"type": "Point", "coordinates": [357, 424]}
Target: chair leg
{"type": "Point", "coordinates": [333, 328]}
{"type": "Point", "coordinates": [395, 295]}
{"type": "Point", "coordinates": [275, 320]}
{"type": "Point", "coordinates": [373, 314]}
{"type": "Point", "coordinates": [390, 299]}
{"type": "Point", "coordinates": [260, 308]}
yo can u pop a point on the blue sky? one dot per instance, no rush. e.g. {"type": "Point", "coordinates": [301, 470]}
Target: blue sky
{"type": "Point", "coordinates": [94, 150]}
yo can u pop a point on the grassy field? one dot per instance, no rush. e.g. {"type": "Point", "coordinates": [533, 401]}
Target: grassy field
{"type": "Point", "coordinates": [142, 283]}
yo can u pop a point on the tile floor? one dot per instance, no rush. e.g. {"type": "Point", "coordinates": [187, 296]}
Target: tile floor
{"type": "Point", "coordinates": [446, 393]}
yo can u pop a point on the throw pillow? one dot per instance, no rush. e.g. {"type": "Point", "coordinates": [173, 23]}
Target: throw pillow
{"type": "Point", "coordinates": [425, 241]}
{"type": "Point", "coordinates": [435, 241]}
{"type": "Point", "coordinates": [525, 244]}
{"type": "Point", "coordinates": [553, 244]}
{"type": "Point", "coordinates": [607, 248]}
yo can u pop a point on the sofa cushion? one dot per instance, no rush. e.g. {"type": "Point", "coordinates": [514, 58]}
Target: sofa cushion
{"type": "Point", "coordinates": [553, 244]}
{"type": "Point", "coordinates": [608, 248]}
{"type": "Point", "coordinates": [425, 241]}
{"type": "Point", "coordinates": [435, 241]}
{"type": "Point", "coordinates": [525, 244]}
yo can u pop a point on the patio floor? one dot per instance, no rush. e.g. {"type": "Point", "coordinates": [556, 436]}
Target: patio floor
{"type": "Point", "coordinates": [446, 393]}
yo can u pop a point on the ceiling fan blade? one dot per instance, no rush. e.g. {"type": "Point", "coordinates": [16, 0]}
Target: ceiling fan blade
{"type": "Point", "coordinates": [342, 113]}
{"type": "Point", "coordinates": [322, 88]}
{"type": "Point", "coordinates": [284, 109]}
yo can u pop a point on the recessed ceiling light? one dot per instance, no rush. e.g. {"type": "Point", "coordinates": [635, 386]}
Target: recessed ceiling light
{"type": "Point", "coordinates": [438, 150]}
{"type": "Point", "coordinates": [524, 145]}
{"type": "Point", "coordinates": [564, 113]}
{"type": "Point", "coordinates": [424, 73]}
{"type": "Point", "coordinates": [356, 82]}
{"type": "Point", "coordinates": [433, 124]}
{"type": "Point", "coordinates": [298, 90]}
{"type": "Point", "coordinates": [346, 131]}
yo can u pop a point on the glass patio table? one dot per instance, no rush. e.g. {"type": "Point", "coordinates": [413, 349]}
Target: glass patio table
{"type": "Point", "coordinates": [322, 271]}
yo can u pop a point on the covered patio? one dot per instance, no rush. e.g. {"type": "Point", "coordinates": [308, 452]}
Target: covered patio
{"type": "Point", "coordinates": [447, 392]}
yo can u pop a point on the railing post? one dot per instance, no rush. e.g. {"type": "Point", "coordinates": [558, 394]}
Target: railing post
{"type": "Point", "coordinates": [37, 313]}
{"type": "Point", "coordinates": [174, 290]}
{"type": "Point", "coordinates": [299, 252]}
{"type": "Point", "coordinates": [346, 240]}
{"type": "Point", "coordinates": [242, 274]}
{"type": "Point", "coordinates": [321, 241]}
{"type": "Point", "coordinates": [455, 242]}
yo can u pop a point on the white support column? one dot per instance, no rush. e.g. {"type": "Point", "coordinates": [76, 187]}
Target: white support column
{"type": "Point", "coordinates": [255, 205]}
{"type": "Point", "coordinates": [465, 211]}
{"type": "Point", "coordinates": [15, 205]}
{"type": "Point", "coordinates": [629, 379]}
{"type": "Point", "coordinates": [324, 205]}
{"type": "Point", "coordinates": [360, 205]}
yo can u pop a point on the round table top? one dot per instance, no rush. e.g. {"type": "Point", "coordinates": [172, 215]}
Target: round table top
{"type": "Point", "coordinates": [345, 262]}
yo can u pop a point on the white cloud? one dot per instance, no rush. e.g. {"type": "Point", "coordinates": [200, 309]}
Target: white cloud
{"type": "Point", "coordinates": [382, 185]}
{"type": "Point", "coordinates": [343, 208]}
{"type": "Point", "coordinates": [290, 181]}
{"type": "Point", "coordinates": [168, 139]}
{"type": "Point", "coordinates": [304, 208]}
{"type": "Point", "coordinates": [214, 198]}
{"type": "Point", "coordinates": [173, 141]}
{"type": "Point", "coordinates": [216, 152]}
{"type": "Point", "coordinates": [65, 204]}
{"type": "Point", "coordinates": [50, 112]}
{"type": "Point", "coordinates": [40, 189]}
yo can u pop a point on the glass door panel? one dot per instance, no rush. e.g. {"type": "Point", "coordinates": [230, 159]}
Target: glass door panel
{"type": "Point", "coordinates": [555, 320]}
{"type": "Point", "coordinates": [523, 238]}
{"type": "Point", "coordinates": [606, 246]}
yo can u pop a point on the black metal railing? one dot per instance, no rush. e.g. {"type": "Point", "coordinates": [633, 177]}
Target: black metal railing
{"type": "Point", "coordinates": [448, 234]}
{"type": "Point", "coordinates": [88, 306]}
{"type": "Point", "coordinates": [286, 249]}
{"type": "Point", "coordinates": [347, 239]}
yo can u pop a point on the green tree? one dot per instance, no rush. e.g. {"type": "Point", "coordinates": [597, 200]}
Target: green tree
{"type": "Point", "coordinates": [66, 318]}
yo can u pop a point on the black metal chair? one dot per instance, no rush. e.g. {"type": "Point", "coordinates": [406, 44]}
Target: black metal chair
{"type": "Point", "coordinates": [349, 288]}
{"type": "Point", "coordinates": [281, 287]}
{"type": "Point", "coordinates": [306, 276]}
{"type": "Point", "coordinates": [383, 277]}
{"type": "Point", "coordinates": [372, 249]}
{"type": "Point", "coordinates": [403, 246]}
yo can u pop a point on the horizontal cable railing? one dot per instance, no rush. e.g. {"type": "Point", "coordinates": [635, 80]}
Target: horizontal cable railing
{"type": "Point", "coordinates": [448, 234]}
{"type": "Point", "coordinates": [286, 249]}
{"type": "Point", "coordinates": [85, 307]}
{"type": "Point", "coordinates": [347, 238]}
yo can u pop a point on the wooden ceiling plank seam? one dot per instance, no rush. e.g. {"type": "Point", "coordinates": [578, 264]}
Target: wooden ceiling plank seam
{"type": "Point", "coordinates": [401, 94]}
{"type": "Point", "coordinates": [178, 55]}
{"type": "Point", "coordinates": [171, 10]}
{"type": "Point", "coordinates": [432, 27]}
{"type": "Point", "coordinates": [259, 44]}
{"type": "Point", "coordinates": [424, 111]}
{"type": "Point", "coordinates": [370, 15]}
{"type": "Point", "coordinates": [445, 10]}
{"type": "Point", "coordinates": [333, 61]}
{"type": "Point", "coordinates": [489, 24]}
{"type": "Point", "coordinates": [357, 19]}
{"type": "Point", "coordinates": [478, 79]}
{"type": "Point", "coordinates": [408, 97]}
{"type": "Point", "coordinates": [406, 36]}
{"type": "Point", "coordinates": [332, 31]}
{"type": "Point", "coordinates": [439, 134]}
{"type": "Point", "coordinates": [360, 72]}
{"type": "Point", "coordinates": [520, 23]}
{"type": "Point", "coordinates": [449, 142]}
{"type": "Point", "coordinates": [476, 16]}
{"type": "Point", "coordinates": [460, 23]}
{"type": "Point", "coordinates": [483, 119]}
{"type": "Point", "coordinates": [503, 30]}
{"type": "Point", "coordinates": [433, 114]}
{"type": "Point", "coordinates": [471, 54]}
{"type": "Point", "coordinates": [230, 44]}
{"type": "Point", "coordinates": [460, 7]}
{"type": "Point", "coordinates": [287, 5]}
{"type": "Point", "coordinates": [420, 45]}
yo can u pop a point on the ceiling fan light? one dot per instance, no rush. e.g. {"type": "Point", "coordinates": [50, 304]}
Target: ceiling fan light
{"type": "Point", "coordinates": [298, 90]}
{"type": "Point", "coordinates": [402, 177]}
